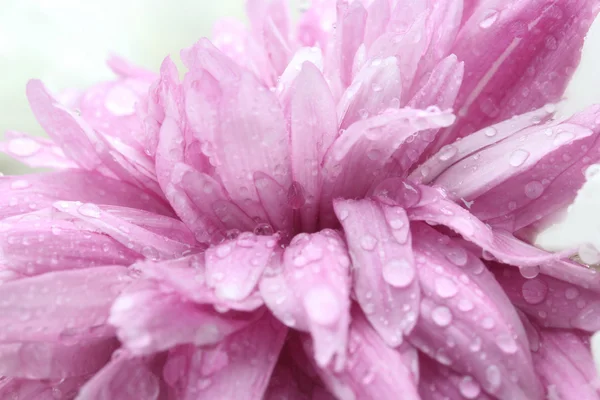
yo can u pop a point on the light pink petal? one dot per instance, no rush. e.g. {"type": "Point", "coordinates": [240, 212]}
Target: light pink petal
{"type": "Point", "coordinates": [126, 69]}
{"type": "Point", "coordinates": [288, 78]}
{"type": "Point", "coordinates": [475, 142]}
{"type": "Point", "coordinates": [64, 305]}
{"type": "Point", "coordinates": [349, 35]}
{"type": "Point", "coordinates": [151, 235]}
{"type": "Point", "coordinates": [261, 11]}
{"type": "Point", "coordinates": [435, 208]}
{"type": "Point", "coordinates": [149, 320]}
{"type": "Point", "coordinates": [34, 151]}
{"type": "Point", "coordinates": [24, 193]}
{"type": "Point", "coordinates": [355, 161]}
{"type": "Point", "coordinates": [16, 388]}
{"type": "Point", "coordinates": [378, 16]}
{"type": "Point", "coordinates": [277, 46]}
{"type": "Point", "coordinates": [46, 241]}
{"type": "Point", "coordinates": [249, 356]}
{"type": "Point", "coordinates": [123, 378]}
{"type": "Point", "coordinates": [442, 85]}
{"type": "Point", "coordinates": [309, 291]}
{"type": "Point", "coordinates": [466, 322]}
{"type": "Point", "coordinates": [565, 365]}
{"type": "Point", "coordinates": [80, 142]}
{"type": "Point", "coordinates": [439, 382]}
{"type": "Point", "coordinates": [373, 370]}
{"type": "Point", "coordinates": [234, 267]}
{"type": "Point", "coordinates": [518, 56]}
{"type": "Point", "coordinates": [274, 200]}
{"type": "Point", "coordinates": [55, 361]}
{"type": "Point", "coordinates": [203, 55]}
{"type": "Point", "coordinates": [376, 87]}
{"type": "Point", "coordinates": [551, 302]}
{"type": "Point", "coordinates": [313, 128]}
{"type": "Point", "coordinates": [526, 176]}
{"type": "Point", "coordinates": [384, 275]}
{"type": "Point", "coordinates": [317, 23]}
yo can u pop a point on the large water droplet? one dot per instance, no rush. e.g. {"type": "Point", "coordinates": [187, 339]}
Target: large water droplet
{"type": "Point", "coordinates": [150, 253]}
{"type": "Point", "coordinates": [489, 17]}
{"type": "Point", "coordinates": [571, 293]}
{"type": "Point", "coordinates": [490, 131]}
{"type": "Point", "coordinates": [506, 343]}
{"type": "Point", "coordinates": [445, 287]}
{"type": "Point", "coordinates": [534, 291]}
{"type": "Point", "coordinates": [592, 171]}
{"type": "Point", "coordinates": [398, 272]}
{"type": "Point", "coordinates": [488, 323]}
{"type": "Point", "coordinates": [518, 157]}
{"type": "Point", "coordinates": [368, 242]}
{"type": "Point", "coordinates": [465, 305]}
{"type": "Point", "coordinates": [563, 137]}
{"type": "Point", "coordinates": [447, 152]}
{"type": "Point", "coordinates": [322, 306]}
{"type": "Point", "coordinates": [441, 316]}
{"type": "Point", "coordinates": [534, 189]}
{"type": "Point", "coordinates": [469, 388]}
{"type": "Point", "coordinates": [492, 373]}
{"type": "Point", "coordinates": [223, 250]}
{"type": "Point", "coordinates": [457, 256]}
{"type": "Point", "coordinates": [23, 147]}
{"type": "Point", "coordinates": [530, 271]}
{"type": "Point", "coordinates": [89, 210]}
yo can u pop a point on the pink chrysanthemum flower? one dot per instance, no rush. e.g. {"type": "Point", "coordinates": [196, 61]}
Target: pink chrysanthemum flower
{"type": "Point", "coordinates": [305, 217]}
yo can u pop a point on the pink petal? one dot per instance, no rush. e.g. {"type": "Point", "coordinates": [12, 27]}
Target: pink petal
{"type": "Point", "coordinates": [122, 378]}
{"type": "Point", "coordinates": [309, 291]}
{"type": "Point", "coordinates": [126, 69]}
{"type": "Point", "coordinates": [34, 152]}
{"type": "Point", "coordinates": [317, 23]}
{"type": "Point", "coordinates": [380, 247]}
{"type": "Point", "coordinates": [442, 85]}
{"type": "Point", "coordinates": [248, 355]}
{"type": "Point", "coordinates": [518, 56]}
{"type": "Point", "coordinates": [378, 16]}
{"type": "Point", "coordinates": [234, 268]}
{"type": "Point", "coordinates": [64, 305]}
{"type": "Point", "coordinates": [373, 370]}
{"type": "Point", "coordinates": [287, 79]}
{"type": "Point", "coordinates": [36, 243]}
{"type": "Point", "coordinates": [465, 314]}
{"type": "Point", "coordinates": [274, 200]}
{"type": "Point", "coordinates": [565, 365]}
{"type": "Point", "coordinates": [551, 302]}
{"type": "Point", "coordinates": [16, 388]}
{"type": "Point", "coordinates": [24, 193]}
{"type": "Point", "coordinates": [151, 235]}
{"type": "Point", "coordinates": [313, 128]}
{"type": "Point", "coordinates": [439, 382]}
{"type": "Point", "coordinates": [54, 360]}
{"type": "Point", "coordinates": [376, 87]}
{"type": "Point", "coordinates": [355, 161]}
{"type": "Point", "coordinates": [148, 320]}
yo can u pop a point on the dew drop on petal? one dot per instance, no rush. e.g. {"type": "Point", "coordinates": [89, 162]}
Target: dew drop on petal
{"type": "Point", "coordinates": [469, 388]}
{"type": "Point", "coordinates": [488, 323]}
{"type": "Point", "coordinates": [445, 288]}
{"type": "Point", "coordinates": [89, 210]}
{"type": "Point", "coordinates": [530, 271]}
{"type": "Point", "coordinates": [475, 345]}
{"type": "Point", "coordinates": [563, 138]}
{"type": "Point", "coordinates": [441, 316]}
{"type": "Point", "coordinates": [490, 131]}
{"type": "Point", "coordinates": [23, 147]}
{"type": "Point", "coordinates": [518, 157]}
{"type": "Point", "coordinates": [592, 171]}
{"type": "Point", "coordinates": [465, 305]}
{"type": "Point", "coordinates": [489, 17]}
{"type": "Point", "coordinates": [534, 291]}
{"type": "Point", "coordinates": [447, 152]}
{"type": "Point", "coordinates": [457, 256]}
{"type": "Point", "coordinates": [493, 376]}
{"type": "Point", "coordinates": [571, 293]}
{"type": "Point", "coordinates": [322, 306]}
{"type": "Point", "coordinates": [368, 242]}
{"type": "Point", "coordinates": [506, 343]}
{"type": "Point", "coordinates": [534, 189]}
{"type": "Point", "coordinates": [223, 250]}
{"type": "Point", "coordinates": [398, 273]}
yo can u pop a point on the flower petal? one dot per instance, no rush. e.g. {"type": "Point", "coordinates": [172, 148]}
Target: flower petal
{"type": "Point", "coordinates": [16, 388]}
{"type": "Point", "coordinates": [34, 151]}
{"type": "Point", "coordinates": [565, 365]}
{"type": "Point", "coordinates": [313, 129]}
{"type": "Point", "coordinates": [373, 370]}
{"type": "Point", "coordinates": [355, 161]}
{"type": "Point", "coordinates": [310, 291]}
{"type": "Point", "coordinates": [384, 275]}
{"type": "Point", "coordinates": [123, 377]}
{"type": "Point", "coordinates": [551, 302]}
{"type": "Point", "coordinates": [378, 16]}
{"type": "Point", "coordinates": [64, 305]}
{"type": "Point", "coordinates": [46, 360]}
{"type": "Point", "coordinates": [518, 56]}
{"type": "Point", "coordinates": [464, 313]}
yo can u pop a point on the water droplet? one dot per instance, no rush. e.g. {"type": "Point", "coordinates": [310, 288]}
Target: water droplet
{"type": "Point", "coordinates": [512, 205]}
{"type": "Point", "coordinates": [518, 157]}
{"type": "Point", "coordinates": [373, 154]}
{"type": "Point", "coordinates": [592, 171]}
{"type": "Point", "coordinates": [376, 87]}
{"type": "Point", "coordinates": [571, 293]}
{"type": "Point", "coordinates": [534, 291]}
{"type": "Point", "coordinates": [492, 373]}
{"type": "Point", "coordinates": [150, 253]}
{"type": "Point", "coordinates": [457, 256]}
{"type": "Point", "coordinates": [490, 131]}
{"type": "Point", "coordinates": [20, 184]}
{"type": "Point", "coordinates": [89, 210]}
{"type": "Point", "coordinates": [343, 214]}
{"type": "Point", "coordinates": [469, 388]}
{"type": "Point", "coordinates": [563, 137]}
{"type": "Point", "coordinates": [534, 189]}
{"type": "Point", "coordinates": [489, 17]}
{"type": "Point", "coordinates": [263, 229]}
{"type": "Point", "coordinates": [223, 250]}
{"type": "Point", "coordinates": [322, 306]}
{"type": "Point", "coordinates": [398, 272]}
{"type": "Point", "coordinates": [445, 288]}
{"type": "Point", "coordinates": [465, 305]}
{"type": "Point", "coordinates": [447, 152]}
{"type": "Point", "coordinates": [530, 271]}
{"type": "Point", "coordinates": [441, 316]}
{"type": "Point", "coordinates": [23, 147]}
{"type": "Point", "coordinates": [475, 345]}
{"type": "Point", "coordinates": [488, 323]}
{"type": "Point", "coordinates": [506, 343]}
{"type": "Point", "coordinates": [368, 242]}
